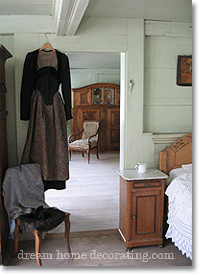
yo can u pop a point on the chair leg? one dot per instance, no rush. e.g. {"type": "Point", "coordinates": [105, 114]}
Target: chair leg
{"type": "Point", "coordinates": [88, 154]}
{"type": "Point", "coordinates": [97, 153]}
{"type": "Point", "coordinates": [82, 154]}
{"type": "Point", "coordinates": [67, 230]}
{"type": "Point", "coordinates": [69, 150]}
{"type": "Point", "coordinates": [16, 237]}
{"type": "Point", "coordinates": [38, 236]}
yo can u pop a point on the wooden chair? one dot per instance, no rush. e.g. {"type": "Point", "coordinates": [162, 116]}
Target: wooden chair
{"type": "Point", "coordinates": [89, 140]}
{"type": "Point", "coordinates": [38, 237]}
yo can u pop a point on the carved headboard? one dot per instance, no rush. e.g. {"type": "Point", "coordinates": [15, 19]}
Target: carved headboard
{"type": "Point", "coordinates": [177, 154]}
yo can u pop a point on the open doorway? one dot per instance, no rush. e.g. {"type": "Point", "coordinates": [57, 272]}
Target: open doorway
{"type": "Point", "coordinates": [93, 67]}
{"type": "Point", "coordinates": [92, 193]}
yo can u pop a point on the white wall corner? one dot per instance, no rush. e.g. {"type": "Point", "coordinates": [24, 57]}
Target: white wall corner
{"type": "Point", "coordinates": [133, 128]}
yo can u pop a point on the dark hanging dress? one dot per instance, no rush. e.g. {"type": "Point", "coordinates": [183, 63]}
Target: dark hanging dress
{"type": "Point", "coordinates": [43, 105]}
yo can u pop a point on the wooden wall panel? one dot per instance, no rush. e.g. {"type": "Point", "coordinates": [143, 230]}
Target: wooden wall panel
{"type": "Point", "coordinates": [167, 106]}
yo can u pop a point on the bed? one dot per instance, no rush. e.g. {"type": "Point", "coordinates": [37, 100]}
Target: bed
{"type": "Point", "coordinates": [176, 161]}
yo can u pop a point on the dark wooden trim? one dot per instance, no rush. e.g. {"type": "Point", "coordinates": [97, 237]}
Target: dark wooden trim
{"type": "Point", "coordinates": [5, 246]}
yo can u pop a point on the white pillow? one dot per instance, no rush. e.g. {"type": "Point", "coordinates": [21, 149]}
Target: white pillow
{"type": "Point", "coordinates": [174, 173]}
{"type": "Point", "coordinates": [187, 167]}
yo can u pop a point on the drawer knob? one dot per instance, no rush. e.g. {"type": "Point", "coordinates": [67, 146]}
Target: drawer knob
{"type": "Point", "coordinates": [147, 185]}
{"type": "Point", "coordinates": [134, 216]}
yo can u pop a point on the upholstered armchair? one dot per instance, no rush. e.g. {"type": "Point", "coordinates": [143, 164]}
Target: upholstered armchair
{"type": "Point", "coordinates": [87, 142]}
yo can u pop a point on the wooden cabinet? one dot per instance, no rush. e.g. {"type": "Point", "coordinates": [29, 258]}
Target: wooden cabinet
{"type": "Point", "coordinates": [100, 101]}
{"type": "Point", "coordinates": [4, 228]}
{"type": "Point", "coordinates": [141, 207]}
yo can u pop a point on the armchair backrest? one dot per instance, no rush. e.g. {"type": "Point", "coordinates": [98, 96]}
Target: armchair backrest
{"type": "Point", "coordinates": [90, 128]}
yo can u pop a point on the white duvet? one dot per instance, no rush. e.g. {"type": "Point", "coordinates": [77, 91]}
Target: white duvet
{"type": "Point", "coordinates": [179, 192]}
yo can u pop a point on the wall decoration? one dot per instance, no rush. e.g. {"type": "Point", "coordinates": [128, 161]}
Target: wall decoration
{"type": "Point", "coordinates": [184, 70]}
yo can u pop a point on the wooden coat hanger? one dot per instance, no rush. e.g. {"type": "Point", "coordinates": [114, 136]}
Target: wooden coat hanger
{"type": "Point", "coordinates": [47, 45]}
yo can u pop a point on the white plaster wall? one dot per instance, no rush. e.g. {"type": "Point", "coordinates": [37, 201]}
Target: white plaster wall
{"type": "Point", "coordinates": [83, 77]}
{"type": "Point", "coordinates": [131, 136]}
{"type": "Point", "coordinates": [30, 36]}
{"type": "Point", "coordinates": [94, 35]}
{"type": "Point", "coordinates": [167, 106]}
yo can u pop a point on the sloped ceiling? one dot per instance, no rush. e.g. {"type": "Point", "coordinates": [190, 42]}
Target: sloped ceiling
{"type": "Point", "coordinates": [165, 10]}
{"type": "Point", "coordinates": [26, 7]}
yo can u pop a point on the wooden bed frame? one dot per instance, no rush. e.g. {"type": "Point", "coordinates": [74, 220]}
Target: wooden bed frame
{"type": "Point", "coordinates": [177, 154]}
{"type": "Point", "coordinates": [180, 152]}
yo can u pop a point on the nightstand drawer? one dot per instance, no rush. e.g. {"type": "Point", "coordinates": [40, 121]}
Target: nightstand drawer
{"type": "Point", "coordinates": [145, 184]}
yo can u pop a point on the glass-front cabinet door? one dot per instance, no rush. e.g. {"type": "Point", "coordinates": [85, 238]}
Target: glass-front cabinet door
{"type": "Point", "coordinates": [108, 96]}
{"type": "Point", "coordinates": [98, 95]}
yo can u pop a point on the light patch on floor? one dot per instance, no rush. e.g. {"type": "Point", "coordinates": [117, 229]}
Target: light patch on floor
{"type": "Point", "coordinates": [92, 193]}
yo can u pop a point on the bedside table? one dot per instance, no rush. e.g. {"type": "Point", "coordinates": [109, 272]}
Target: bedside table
{"type": "Point", "coordinates": [141, 207]}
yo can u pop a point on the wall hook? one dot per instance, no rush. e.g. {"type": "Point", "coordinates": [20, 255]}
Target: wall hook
{"type": "Point", "coordinates": [131, 84]}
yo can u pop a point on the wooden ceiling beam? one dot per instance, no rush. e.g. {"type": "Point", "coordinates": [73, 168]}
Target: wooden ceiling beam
{"type": "Point", "coordinates": [68, 14]}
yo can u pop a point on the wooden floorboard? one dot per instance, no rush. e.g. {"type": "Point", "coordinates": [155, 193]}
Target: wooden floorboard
{"type": "Point", "coordinates": [110, 250]}
{"type": "Point", "coordinates": [92, 198]}
{"type": "Point", "coordinates": [91, 194]}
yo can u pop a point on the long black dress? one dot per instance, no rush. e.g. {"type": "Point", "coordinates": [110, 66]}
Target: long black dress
{"type": "Point", "coordinates": [43, 105]}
